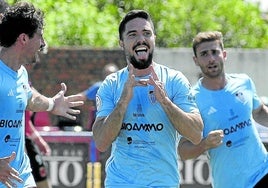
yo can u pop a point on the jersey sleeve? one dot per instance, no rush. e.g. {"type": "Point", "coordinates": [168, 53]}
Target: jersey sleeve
{"type": "Point", "coordinates": [256, 99]}
{"type": "Point", "coordinates": [106, 96]}
{"type": "Point", "coordinates": [182, 95]}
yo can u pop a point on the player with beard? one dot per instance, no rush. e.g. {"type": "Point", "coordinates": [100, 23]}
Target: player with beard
{"type": "Point", "coordinates": [141, 110]}
{"type": "Point", "coordinates": [21, 37]}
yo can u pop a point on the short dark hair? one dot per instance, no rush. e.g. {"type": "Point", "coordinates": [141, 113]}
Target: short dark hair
{"type": "Point", "coordinates": [207, 37]}
{"type": "Point", "coordinates": [20, 18]}
{"type": "Point", "coordinates": [132, 15]}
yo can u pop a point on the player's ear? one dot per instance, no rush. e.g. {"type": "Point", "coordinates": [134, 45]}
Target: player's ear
{"type": "Point", "coordinates": [224, 54]}
{"type": "Point", "coordinates": [23, 38]}
{"type": "Point", "coordinates": [121, 44]}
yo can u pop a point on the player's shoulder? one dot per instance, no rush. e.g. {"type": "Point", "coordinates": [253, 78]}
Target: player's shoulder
{"type": "Point", "coordinates": [238, 76]}
{"type": "Point", "coordinates": [171, 72]}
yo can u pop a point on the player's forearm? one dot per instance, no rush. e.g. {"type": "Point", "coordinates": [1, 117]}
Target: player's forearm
{"type": "Point", "coordinates": [261, 115]}
{"type": "Point", "coordinates": [188, 150]}
{"type": "Point", "coordinates": [106, 129]}
{"type": "Point", "coordinates": [39, 103]}
{"type": "Point", "coordinates": [190, 125]}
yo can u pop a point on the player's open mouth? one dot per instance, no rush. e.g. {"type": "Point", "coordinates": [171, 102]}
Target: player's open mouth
{"type": "Point", "coordinates": [141, 51]}
{"type": "Point", "coordinates": [212, 67]}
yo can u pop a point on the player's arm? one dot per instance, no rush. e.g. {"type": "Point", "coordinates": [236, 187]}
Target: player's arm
{"type": "Point", "coordinates": [106, 129]}
{"type": "Point", "coordinates": [187, 150]}
{"type": "Point", "coordinates": [8, 175]}
{"type": "Point", "coordinates": [58, 105]}
{"type": "Point", "coordinates": [39, 102]}
{"type": "Point", "coordinates": [260, 115]}
{"type": "Point", "coordinates": [190, 125]}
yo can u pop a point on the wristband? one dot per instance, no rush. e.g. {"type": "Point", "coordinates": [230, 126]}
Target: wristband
{"type": "Point", "coordinates": [51, 104]}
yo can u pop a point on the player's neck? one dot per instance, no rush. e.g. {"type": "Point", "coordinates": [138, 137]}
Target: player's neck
{"type": "Point", "coordinates": [9, 58]}
{"type": "Point", "coordinates": [216, 83]}
{"type": "Point", "coordinates": [143, 72]}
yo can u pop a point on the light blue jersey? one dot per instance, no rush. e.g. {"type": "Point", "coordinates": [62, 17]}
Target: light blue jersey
{"type": "Point", "coordinates": [145, 152]}
{"type": "Point", "coordinates": [241, 161]}
{"type": "Point", "coordinates": [14, 94]}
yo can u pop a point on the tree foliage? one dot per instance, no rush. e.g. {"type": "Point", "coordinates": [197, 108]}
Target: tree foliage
{"type": "Point", "coordinates": [94, 23]}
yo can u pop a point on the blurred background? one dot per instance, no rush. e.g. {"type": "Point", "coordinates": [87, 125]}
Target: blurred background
{"type": "Point", "coordinates": [94, 23]}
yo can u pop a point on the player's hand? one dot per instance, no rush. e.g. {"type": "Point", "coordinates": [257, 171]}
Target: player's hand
{"type": "Point", "coordinates": [64, 105]}
{"type": "Point", "coordinates": [214, 139]}
{"type": "Point", "coordinates": [8, 174]}
{"type": "Point", "coordinates": [129, 85]}
{"type": "Point", "coordinates": [159, 87]}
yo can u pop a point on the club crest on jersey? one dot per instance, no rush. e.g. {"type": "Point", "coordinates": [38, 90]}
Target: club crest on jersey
{"type": "Point", "coordinates": [240, 96]}
{"type": "Point", "coordinates": [191, 97]}
{"type": "Point", "coordinates": [152, 97]}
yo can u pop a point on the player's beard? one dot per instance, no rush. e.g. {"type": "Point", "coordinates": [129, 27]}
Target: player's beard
{"type": "Point", "coordinates": [141, 64]}
{"type": "Point", "coordinates": [36, 58]}
{"type": "Point", "coordinates": [42, 50]}
{"type": "Point", "coordinates": [217, 72]}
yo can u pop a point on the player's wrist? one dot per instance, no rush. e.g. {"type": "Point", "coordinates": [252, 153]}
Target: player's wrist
{"type": "Point", "coordinates": [51, 104]}
{"type": "Point", "coordinates": [204, 144]}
